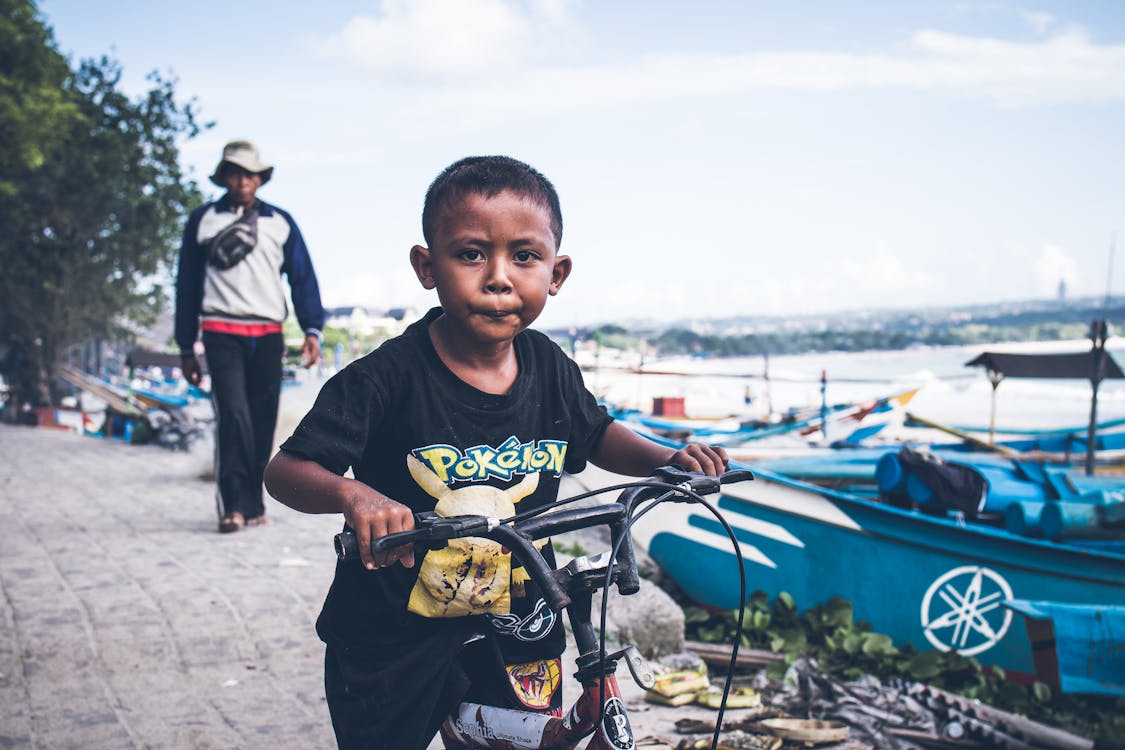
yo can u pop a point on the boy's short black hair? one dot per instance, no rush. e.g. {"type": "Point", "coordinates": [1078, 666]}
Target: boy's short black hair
{"type": "Point", "coordinates": [488, 176]}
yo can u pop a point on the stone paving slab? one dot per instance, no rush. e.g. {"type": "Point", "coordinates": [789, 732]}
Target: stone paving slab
{"type": "Point", "coordinates": [127, 621]}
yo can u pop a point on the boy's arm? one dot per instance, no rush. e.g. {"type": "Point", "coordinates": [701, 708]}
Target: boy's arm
{"type": "Point", "coordinates": [310, 488]}
{"type": "Point", "coordinates": [623, 451]}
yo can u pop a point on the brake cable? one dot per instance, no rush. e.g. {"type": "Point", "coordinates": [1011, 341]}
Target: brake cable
{"type": "Point", "coordinates": [671, 491]}
{"type": "Point", "coordinates": [636, 515]}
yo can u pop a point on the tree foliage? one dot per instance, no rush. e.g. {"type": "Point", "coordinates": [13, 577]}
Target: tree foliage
{"type": "Point", "coordinates": [677, 341]}
{"type": "Point", "coordinates": [92, 199]}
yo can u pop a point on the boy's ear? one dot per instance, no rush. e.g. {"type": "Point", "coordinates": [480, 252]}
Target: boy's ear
{"type": "Point", "coordinates": [423, 267]}
{"type": "Point", "coordinates": [562, 269]}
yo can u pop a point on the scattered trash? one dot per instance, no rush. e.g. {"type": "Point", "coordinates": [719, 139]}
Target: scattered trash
{"type": "Point", "coordinates": [230, 683]}
{"type": "Point", "coordinates": [685, 680]}
{"type": "Point", "coordinates": [678, 687]}
{"type": "Point", "coordinates": [735, 740]}
{"type": "Point", "coordinates": [809, 731]}
{"type": "Point", "coordinates": [977, 721]}
{"type": "Point", "coordinates": [740, 696]}
{"type": "Point", "coordinates": [903, 716]}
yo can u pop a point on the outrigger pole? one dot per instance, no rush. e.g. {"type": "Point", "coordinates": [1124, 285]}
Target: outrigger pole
{"type": "Point", "coordinates": [1099, 332]}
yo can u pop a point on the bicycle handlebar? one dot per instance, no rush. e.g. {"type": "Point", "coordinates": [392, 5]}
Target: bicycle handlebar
{"type": "Point", "coordinates": [433, 531]}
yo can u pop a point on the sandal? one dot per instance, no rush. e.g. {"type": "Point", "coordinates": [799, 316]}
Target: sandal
{"type": "Point", "coordinates": [231, 522]}
{"type": "Point", "coordinates": [257, 521]}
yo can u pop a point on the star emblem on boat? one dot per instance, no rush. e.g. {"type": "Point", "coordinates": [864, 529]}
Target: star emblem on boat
{"type": "Point", "coordinates": [962, 612]}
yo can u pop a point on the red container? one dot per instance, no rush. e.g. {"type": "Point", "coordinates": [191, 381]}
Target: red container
{"type": "Point", "coordinates": [668, 406]}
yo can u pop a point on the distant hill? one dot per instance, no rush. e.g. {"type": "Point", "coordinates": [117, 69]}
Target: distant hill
{"type": "Point", "coordinates": [856, 330]}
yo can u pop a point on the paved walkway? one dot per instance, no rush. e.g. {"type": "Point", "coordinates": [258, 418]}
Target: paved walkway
{"type": "Point", "coordinates": [127, 621]}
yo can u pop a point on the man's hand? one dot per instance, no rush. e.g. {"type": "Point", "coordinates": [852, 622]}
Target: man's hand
{"type": "Point", "coordinates": [711, 460]}
{"type": "Point", "coordinates": [189, 366]}
{"type": "Point", "coordinates": [310, 351]}
{"type": "Point", "coordinates": [372, 515]}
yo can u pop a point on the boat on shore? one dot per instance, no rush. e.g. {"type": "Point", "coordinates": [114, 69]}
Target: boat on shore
{"type": "Point", "coordinates": [845, 417]}
{"type": "Point", "coordinates": [929, 580]}
{"type": "Point", "coordinates": [979, 546]}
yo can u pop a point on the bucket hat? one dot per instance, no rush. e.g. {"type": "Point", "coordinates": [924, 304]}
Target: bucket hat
{"type": "Point", "coordinates": [242, 154]}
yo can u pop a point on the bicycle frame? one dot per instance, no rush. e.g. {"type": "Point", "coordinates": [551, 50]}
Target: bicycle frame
{"type": "Point", "coordinates": [477, 726]}
{"type": "Point", "coordinates": [474, 725]}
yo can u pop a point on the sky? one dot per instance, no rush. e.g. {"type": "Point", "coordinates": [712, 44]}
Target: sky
{"type": "Point", "coordinates": [712, 158]}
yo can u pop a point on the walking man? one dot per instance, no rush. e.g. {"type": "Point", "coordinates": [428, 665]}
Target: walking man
{"type": "Point", "coordinates": [228, 286]}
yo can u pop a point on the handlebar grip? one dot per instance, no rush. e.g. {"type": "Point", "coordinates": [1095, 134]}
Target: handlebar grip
{"type": "Point", "coordinates": [347, 545]}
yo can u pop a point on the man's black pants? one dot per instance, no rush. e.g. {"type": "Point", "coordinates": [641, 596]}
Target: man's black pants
{"type": "Point", "coordinates": [245, 387]}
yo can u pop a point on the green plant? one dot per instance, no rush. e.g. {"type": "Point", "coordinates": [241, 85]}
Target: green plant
{"type": "Point", "coordinates": [848, 649]}
{"type": "Point", "coordinates": [573, 550]}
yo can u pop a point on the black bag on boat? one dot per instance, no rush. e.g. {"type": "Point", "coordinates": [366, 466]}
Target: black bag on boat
{"type": "Point", "coordinates": [954, 486]}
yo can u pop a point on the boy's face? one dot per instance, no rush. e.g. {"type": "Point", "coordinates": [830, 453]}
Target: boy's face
{"type": "Point", "coordinates": [493, 262]}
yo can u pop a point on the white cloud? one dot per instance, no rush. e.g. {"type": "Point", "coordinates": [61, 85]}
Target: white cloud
{"type": "Point", "coordinates": [445, 39]}
{"type": "Point", "coordinates": [1061, 68]}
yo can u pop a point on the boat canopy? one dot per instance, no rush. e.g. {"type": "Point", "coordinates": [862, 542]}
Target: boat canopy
{"type": "Point", "coordinates": [1094, 365]}
{"type": "Point", "coordinates": [1064, 365]}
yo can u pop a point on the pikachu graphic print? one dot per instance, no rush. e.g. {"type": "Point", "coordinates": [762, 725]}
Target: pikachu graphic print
{"type": "Point", "coordinates": [474, 576]}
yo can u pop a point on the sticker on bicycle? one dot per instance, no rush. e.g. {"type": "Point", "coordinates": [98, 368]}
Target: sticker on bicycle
{"type": "Point", "coordinates": [489, 724]}
{"type": "Point", "coordinates": [533, 627]}
{"type": "Point", "coordinates": [615, 727]}
{"type": "Point", "coordinates": [535, 683]}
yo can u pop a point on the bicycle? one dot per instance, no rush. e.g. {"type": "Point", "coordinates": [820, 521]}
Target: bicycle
{"type": "Point", "coordinates": [570, 589]}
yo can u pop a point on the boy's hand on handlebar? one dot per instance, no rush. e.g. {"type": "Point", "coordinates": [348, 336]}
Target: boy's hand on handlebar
{"type": "Point", "coordinates": [371, 515]}
{"type": "Point", "coordinates": [710, 460]}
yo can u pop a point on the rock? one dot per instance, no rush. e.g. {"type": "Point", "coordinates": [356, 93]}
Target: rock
{"type": "Point", "coordinates": [648, 619]}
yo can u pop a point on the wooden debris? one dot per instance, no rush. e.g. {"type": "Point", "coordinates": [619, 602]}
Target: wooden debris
{"type": "Point", "coordinates": [718, 654]}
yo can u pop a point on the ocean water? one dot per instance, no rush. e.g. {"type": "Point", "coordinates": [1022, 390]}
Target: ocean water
{"type": "Point", "coordinates": [949, 392]}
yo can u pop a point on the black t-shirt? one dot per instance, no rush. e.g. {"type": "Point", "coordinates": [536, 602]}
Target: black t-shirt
{"type": "Point", "coordinates": [414, 431]}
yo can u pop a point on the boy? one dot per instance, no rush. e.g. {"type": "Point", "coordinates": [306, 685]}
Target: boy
{"type": "Point", "coordinates": [466, 407]}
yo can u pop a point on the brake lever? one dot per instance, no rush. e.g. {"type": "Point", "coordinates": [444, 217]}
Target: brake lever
{"type": "Point", "coordinates": [698, 483]}
{"type": "Point", "coordinates": [434, 531]}
{"type": "Point", "coordinates": [673, 474]}
{"type": "Point", "coordinates": [431, 532]}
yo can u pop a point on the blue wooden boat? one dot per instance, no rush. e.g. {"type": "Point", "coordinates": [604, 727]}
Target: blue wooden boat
{"type": "Point", "coordinates": [802, 421]}
{"type": "Point", "coordinates": [931, 581]}
{"type": "Point", "coordinates": [1074, 432]}
{"type": "Point", "coordinates": [1078, 648]}
{"type": "Point", "coordinates": [1064, 443]}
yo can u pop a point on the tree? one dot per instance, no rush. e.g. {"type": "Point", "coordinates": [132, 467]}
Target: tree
{"type": "Point", "coordinates": [92, 200]}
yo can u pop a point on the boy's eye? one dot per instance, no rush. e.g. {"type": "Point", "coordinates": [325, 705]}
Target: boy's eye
{"type": "Point", "coordinates": [525, 256]}
{"type": "Point", "coordinates": [470, 255]}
